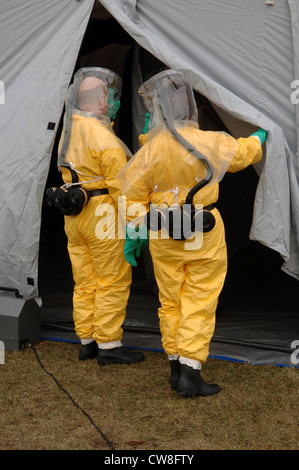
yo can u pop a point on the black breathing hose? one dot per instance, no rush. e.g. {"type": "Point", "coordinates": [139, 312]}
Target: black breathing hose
{"type": "Point", "coordinates": [164, 104]}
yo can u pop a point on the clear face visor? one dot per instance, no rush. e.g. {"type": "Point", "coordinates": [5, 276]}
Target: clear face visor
{"type": "Point", "coordinates": [168, 96]}
{"type": "Point", "coordinates": [90, 85]}
{"type": "Point", "coordinates": [111, 85]}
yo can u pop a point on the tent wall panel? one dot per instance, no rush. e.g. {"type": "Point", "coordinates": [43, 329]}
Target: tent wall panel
{"type": "Point", "coordinates": [243, 57]}
{"type": "Point", "coordinates": [40, 42]}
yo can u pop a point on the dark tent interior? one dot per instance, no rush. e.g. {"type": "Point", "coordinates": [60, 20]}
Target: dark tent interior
{"type": "Point", "coordinates": [257, 316]}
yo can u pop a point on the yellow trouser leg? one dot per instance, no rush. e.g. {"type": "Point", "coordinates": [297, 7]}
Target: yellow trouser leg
{"type": "Point", "coordinates": [84, 289]}
{"type": "Point", "coordinates": [102, 278]}
{"type": "Point", "coordinates": [170, 278]}
{"type": "Point", "coordinates": [189, 286]}
{"type": "Point", "coordinates": [199, 297]}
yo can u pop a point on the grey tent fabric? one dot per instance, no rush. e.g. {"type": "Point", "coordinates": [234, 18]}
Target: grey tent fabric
{"type": "Point", "coordinates": [242, 56]}
{"type": "Point", "coordinates": [40, 42]}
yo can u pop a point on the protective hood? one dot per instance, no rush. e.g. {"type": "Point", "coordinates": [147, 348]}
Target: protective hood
{"type": "Point", "coordinates": [95, 92]}
{"type": "Point", "coordinates": [178, 156]}
{"type": "Point", "coordinates": [169, 99]}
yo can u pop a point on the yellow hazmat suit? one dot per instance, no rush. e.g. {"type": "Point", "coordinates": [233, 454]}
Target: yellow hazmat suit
{"type": "Point", "coordinates": [190, 279]}
{"type": "Point", "coordinates": [101, 274]}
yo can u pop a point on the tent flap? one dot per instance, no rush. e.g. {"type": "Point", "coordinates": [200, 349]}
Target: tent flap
{"type": "Point", "coordinates": [40, 42]}
{"type": "Point", "coordinates": [243, 58]}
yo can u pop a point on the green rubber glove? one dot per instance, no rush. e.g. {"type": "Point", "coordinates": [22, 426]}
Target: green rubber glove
{"type": "Point", "coordinates": [261, 134]}
{"type": "Point", "coordinates": [136, 241]}
{"type": "Point", "coordinates": [131, 247]}
{"type": "Point", "coordinates": [129, 252]}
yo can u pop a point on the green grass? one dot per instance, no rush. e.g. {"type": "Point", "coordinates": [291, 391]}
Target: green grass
{"type": "Point", "coordinates": [51, 401]}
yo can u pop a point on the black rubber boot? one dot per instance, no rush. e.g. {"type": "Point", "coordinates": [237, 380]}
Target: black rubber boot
{"type": "Point", "coordinates": [88, 351]}
{"type": "Point", "coordinates": [118, 356]}
{"type": "Point", "coordinates": [174, 374]}
{"type": "Point", "coordinates": [191, 383]}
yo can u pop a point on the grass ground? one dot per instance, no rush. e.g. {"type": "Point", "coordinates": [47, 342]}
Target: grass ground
{"type": "Point", "coordinates": [51, 401]}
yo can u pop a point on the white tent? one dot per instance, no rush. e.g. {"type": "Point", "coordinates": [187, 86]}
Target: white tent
{"type": "Point", "coordinates": [243, 57]}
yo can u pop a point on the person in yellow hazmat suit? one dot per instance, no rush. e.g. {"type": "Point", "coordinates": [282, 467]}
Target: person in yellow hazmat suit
{"type": "Point", "coordinates": [90, 156]}
{"type": "Point", "coordinates": [174, 178]}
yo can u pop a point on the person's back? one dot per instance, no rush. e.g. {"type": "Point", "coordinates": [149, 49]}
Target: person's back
{"type": "Point", "coordinates": [96, 154]}
{"type": "Point", "coordinates": [92, 152]}
{"type": "Point", "coordinates": [190, 276]}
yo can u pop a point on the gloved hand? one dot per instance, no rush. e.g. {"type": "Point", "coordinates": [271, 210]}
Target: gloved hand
{"type": "Point", "coordinates": [130, 248]}
{"type": "Point", "coordinates": [136, 241]}
{"type": "Point", "coordinates": [261, 134]}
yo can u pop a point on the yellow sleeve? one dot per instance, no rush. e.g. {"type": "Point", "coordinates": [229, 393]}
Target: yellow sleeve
{"type": "Point", "coordinates": [112, 161]}
{"type": "Point", "coordinates": [135, 183]}
{"type": "Point", "coordinates": [248, 153]}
